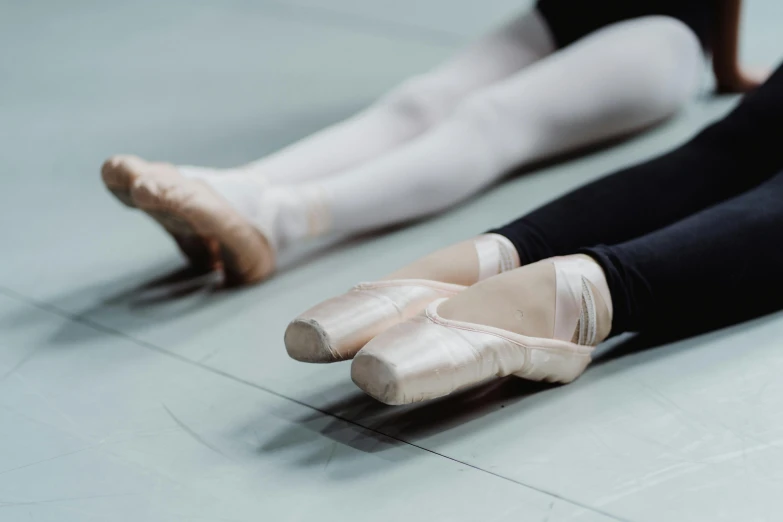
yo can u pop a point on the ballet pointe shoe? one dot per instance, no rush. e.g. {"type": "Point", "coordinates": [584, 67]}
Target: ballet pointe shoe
{"type": "Point", "coordinates": [430, 356]}
{"type": "Point", "coordinates": [191, 209]}
{"type": "Point", "coordinates": [119, 173]}
{"type": "Point", "coordinates": [337, 328]}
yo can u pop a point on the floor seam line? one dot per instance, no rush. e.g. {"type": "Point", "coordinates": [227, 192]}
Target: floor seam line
{"type": "Point", "coordinates": [53, 309]}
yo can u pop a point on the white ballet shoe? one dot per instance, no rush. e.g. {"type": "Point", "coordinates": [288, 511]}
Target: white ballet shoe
{"type": "Point", "coordinates": [339, 327]}
{"type": "Point", "coordinates": [430, 356]}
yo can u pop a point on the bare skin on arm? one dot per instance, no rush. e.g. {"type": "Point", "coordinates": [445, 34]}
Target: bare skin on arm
{"type": "Point", "coordinates": [730, 75]}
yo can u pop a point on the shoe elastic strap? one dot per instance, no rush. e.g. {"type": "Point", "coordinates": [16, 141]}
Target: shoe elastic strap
{"type": "Point", "coordinates": [496, 254]}
{"type": "Point", "coordinates": [572, 275]}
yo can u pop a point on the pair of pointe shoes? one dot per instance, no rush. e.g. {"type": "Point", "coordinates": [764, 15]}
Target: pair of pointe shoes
{"type": "Point", "coordinates": [210, 233]}
{"type": "Point", "coordinates": [404, 351]}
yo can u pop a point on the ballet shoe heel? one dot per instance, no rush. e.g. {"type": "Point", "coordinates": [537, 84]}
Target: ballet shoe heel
{"type": "Point", "coordinates": [553, 366]}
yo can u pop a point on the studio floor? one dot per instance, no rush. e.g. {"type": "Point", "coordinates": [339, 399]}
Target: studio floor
{"type": "Point", "coordinates": [131, 392]}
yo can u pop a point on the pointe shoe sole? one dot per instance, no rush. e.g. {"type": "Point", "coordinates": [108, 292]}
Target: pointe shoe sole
{"type": "Point", "coordinates": [191, 209]}
{"type": "Point", "coordinates": [380, 380]}
{"type": "Point", "coordinates": [311, 341]}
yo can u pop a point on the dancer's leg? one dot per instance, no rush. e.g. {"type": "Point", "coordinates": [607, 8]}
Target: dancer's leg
{"type": "Point", "coordinates": [540, 321]}
{"type": "Point", "coordinates": [721, 261]}
{"type": "Point", "coordinates": [629, 75]}
{"type": "Point", "coordinates": [717, 265]}
{"type": "Point", "coordinates": [619, 79]}
{"type": "Point", "coordinates": [413, 107]}
{"type": "Point", "coordinates": [399, 116]}
{"type": "Point", "coordinates": [727, 158]}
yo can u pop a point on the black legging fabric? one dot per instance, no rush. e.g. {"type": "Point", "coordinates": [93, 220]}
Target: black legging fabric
{"type": "Point", "coordinates": [691, 235]}
{"type": "Point", "coordinates": [570, 20]}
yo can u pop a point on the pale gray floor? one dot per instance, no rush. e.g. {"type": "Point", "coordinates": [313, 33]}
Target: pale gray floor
{"type": "Point", "coordinates": [125, 397]}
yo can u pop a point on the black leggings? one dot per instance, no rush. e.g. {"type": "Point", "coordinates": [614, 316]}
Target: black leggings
{"type": "Point", "coordinates": [689, 236]}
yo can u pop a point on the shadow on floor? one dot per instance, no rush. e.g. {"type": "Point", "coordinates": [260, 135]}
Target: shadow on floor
{"type": "Point", "coordinates": [365, 424]}
{"type": "Point", "coordinates": [369, 426]}
{"type": "Point", "coordinates": [680, 331]}
{"type": "Point", "coordinates": [167, 296]}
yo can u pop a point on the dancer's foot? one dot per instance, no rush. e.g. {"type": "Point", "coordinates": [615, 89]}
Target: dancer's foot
{"type": "Point", "coordinates": [540, 322]}
{"type": "Point", "coordinates": [220, 217]}
{"type": "Point", "coordinates": [121, 172]}
{"type": "Point", "coordinates": [339, 327]}
{"type": "Point", "coordinates": [193, 209]}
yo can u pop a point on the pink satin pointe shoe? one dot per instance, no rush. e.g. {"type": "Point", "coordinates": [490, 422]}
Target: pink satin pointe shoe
{"type": "Point", "coordinates": [119, 173]}
{"type": "Point", "coordinates": [430, 356]}
{"type": "Point", "coordinates": [190, 208]}
{"type": "Point", "coordinates": [339, 327]}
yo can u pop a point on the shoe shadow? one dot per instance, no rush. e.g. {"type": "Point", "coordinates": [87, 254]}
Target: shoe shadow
{"type": "Point", "coordinates": [166, 297]}
{"type": "Point", "coordinates": [165, 294]}
{"type": "Point", "coordinates": [166, 279]}
{"type": "Point", "coordinates": [357, 421]}
{"type": "Point", "coordinates": [685, 332]}
{"type": "Point", "coordinates": [169, 286]}
{"type": "Point", "coordinates": [169, 291]}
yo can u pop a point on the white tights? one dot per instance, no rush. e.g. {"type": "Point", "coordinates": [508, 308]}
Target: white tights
{"type": "Point", "coordinates": [506, 101]}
